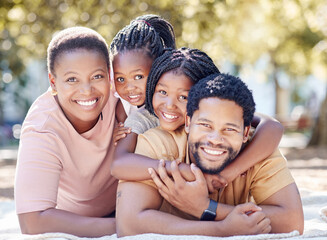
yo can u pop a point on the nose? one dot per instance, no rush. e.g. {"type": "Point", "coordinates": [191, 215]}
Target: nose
{"type": "Point", "coordinates": [130, 86]}
{"type": "Point", "coordinates": [86, 88]}
{"type": "Point", "coordinates": [170, 103]}
{"type": "Point", "coordinates": [215, 137]}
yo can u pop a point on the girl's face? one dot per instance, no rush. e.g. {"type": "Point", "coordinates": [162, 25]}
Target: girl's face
{"type": "Point", "coordinates": [170, 99]}
{"type": "Point", "coordinates": [82, 84]}
{"type": "Point", "coordinates": [131, 70]}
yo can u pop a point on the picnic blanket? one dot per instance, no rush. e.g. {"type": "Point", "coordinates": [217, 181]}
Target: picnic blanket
{"type": "Point", "coordinates": [315, 225]}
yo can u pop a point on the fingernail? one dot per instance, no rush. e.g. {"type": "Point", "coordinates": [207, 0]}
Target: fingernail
{"type": "Point", "coordinates": [150, 171]}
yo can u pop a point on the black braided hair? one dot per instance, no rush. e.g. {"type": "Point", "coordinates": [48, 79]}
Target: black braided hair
{"type": "Point", "coordinates": [223, 86]}
{"type": "Point", "coordinates": [194, 63]}
{"type": "Point", "coordinates": [74, 38]}
{"type": "Point", "coordinates": [148, 32]}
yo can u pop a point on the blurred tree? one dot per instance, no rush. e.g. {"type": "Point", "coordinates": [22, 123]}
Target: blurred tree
{"type": "Point", "coordinates": [292, 33]}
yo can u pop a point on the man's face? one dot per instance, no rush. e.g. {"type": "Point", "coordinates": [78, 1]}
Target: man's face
{"type": "Point", "coordinates": [215, 134]}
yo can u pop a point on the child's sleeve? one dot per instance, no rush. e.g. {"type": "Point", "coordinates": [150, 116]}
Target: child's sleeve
{"type": "Point", "coordinates": [141, 120]}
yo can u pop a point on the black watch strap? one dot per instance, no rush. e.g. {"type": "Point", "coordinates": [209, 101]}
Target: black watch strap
{"type": "Point", "coordinates": [210, 213]}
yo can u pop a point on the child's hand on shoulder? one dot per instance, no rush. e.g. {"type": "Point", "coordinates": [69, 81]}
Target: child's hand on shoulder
{"type": "Point", "coordinates": [215, 181]}
{"type": "Point", "coordinates": [120, 132]}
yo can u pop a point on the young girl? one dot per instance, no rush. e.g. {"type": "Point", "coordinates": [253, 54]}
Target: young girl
{"type": "Point", "coordinates": [189, 65]}
{"type": "Point", "coordinates": [66, 145]}
{"type": "Point", "coordinates": [132, 52]}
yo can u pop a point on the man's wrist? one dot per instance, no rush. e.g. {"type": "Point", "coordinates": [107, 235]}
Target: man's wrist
{"type": "Point", "coordinates": [209, 214]}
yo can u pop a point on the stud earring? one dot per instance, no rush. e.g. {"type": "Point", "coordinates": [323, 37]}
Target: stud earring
{"type": "Point", "coordinates": [54, 92]}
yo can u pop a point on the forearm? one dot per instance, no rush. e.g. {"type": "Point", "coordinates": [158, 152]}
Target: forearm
{"type": "Point", "coordinates": [132, 166]}
{"type": "Point", "coordinates": [154, 221]}
{"type": "Point", "coordinates": [55, 220]}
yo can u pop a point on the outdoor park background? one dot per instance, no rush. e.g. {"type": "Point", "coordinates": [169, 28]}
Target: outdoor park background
{"type": "Point", "coordinates": [279, 48]}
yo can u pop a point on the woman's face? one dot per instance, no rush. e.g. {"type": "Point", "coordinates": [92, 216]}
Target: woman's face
{"type": "Point", "coordinates": [170, 99]}
{"type": "Point", "coordinates": [82, 83]}
{"type": "Point", "coordinates": [131, 70]}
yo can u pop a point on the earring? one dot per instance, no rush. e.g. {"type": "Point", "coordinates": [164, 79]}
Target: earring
{"type": "Point", "coordinates": [54, 92]}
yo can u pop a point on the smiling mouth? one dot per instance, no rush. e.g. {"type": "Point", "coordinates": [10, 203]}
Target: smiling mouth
{"type": "Point", "coordinates": [213, 152]}
{"type": "Point", "coordinates": [87, 103]}
{"type": "Point", "coordinates": [169, 116]}
{"type": "Point", "coordinates": [134, 98]}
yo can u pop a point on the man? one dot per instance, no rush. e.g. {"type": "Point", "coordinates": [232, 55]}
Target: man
{"type": "Point", "coordinates": [220, 109]}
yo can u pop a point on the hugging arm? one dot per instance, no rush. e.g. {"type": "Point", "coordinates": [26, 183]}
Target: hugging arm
{"type": "Point", "coordinates": [128, 165]}
{"type": "Point", "coordinates": [138, 212]}
{"type": "Point", "coordinates": [267, 136]}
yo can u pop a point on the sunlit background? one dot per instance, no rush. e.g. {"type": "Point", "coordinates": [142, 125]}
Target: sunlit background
{"type": "Point", "coordinates": [279, 48]}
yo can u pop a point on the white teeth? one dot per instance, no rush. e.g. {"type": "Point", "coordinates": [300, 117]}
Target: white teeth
{"type": "Point", "coordinates": [212, 152]}
{"type": "Point", "coordinates": [169, 116]}
{"type": "Point", "coordinates": [134, 96]}
{"type": "Point", "coordinates": [86, 103]}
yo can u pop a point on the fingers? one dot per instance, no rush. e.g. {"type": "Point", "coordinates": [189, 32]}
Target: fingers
{"type": "Point", "coordinates": [219, 182]}
{"type": "Point", "coordinates": [247, 208]}
{"type": "Point", "coordinates": [197, 173]}
{"type": "Point", "coordinates": [120, 132]}
{"type": "Point", "coordinates": [264, 226]}
{"type": "Point", "coordinates": [160, 185]}
{"type": "Point", "coordinates": [164, 175]}
{"type": "Point", "coordinates": [176, 174]}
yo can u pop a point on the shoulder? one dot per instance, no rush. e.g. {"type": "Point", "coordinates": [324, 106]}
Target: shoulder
{"type": "Point", "coordinates": [141, 120]}
{"type": "Point", "coordinates": [45, 117]}
{"type": "Point", "coordinates": [158, 143]}
{"type": "Point", "coordinates": [275, 160]}
{"type": "Point", "coordinates": [269, 176]}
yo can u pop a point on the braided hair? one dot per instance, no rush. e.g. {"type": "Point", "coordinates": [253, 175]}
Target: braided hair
{"type": "Point", "coordinates": [148, 32]}
{"type": "Point", "coordinates": [223, 86]}
{"type": "Point", "coordinates": [194, 63]}
{"type": "Point", "coordinates": [74, 38]}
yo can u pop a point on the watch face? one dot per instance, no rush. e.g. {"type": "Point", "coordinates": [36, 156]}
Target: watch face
{"type": "Point", "coordinates": [208, 215]}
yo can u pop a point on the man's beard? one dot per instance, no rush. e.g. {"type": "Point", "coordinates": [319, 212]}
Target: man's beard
{"type": "Point", "coordinates": [194, 150]}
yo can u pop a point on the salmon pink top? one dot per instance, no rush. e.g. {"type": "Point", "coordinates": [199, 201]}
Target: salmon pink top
{"type": "Point", "coordinates": [59, 168]}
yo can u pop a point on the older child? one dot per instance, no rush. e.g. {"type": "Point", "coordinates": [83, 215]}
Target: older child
{"type": "Point", "coordinates": [66, 148]}
{"type": "Point", "coordinates": [188, 66]}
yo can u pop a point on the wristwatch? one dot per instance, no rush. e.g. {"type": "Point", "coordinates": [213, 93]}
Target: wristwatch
{"type": "Point", "coordinates": [210, 213]}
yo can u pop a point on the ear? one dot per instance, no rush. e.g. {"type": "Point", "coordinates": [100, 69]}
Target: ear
{"type": "Point", "coordinates": [246, 133]}
{"type": "Point", "coordinates": [187, 123]}
{"type": "Point", "coordinates": [52, 82]}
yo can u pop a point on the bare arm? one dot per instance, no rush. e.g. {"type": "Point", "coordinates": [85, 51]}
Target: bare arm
{"type": "Point", "coordinates": [284, 208]}
{"type": "Point", "coordinates": [120, 112]}
{"type": "Point", "coordinates": [137, 213]}
{"type": "Point", "coordinates": [55, 220]}
{"type": "Point", "coordinates": [128, 165]}
{"type": "Point", "coordinates": [266, 139]}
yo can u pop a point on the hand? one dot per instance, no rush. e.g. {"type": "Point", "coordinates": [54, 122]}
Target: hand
{"type": "Point", "coordinates": [246, 219]}
{"type": "Point", "coordinates": [120, 132]}
{"type": "Point", "coordinates": [215, 182]}
{"type": "Point", "coordinates": [190, 197]}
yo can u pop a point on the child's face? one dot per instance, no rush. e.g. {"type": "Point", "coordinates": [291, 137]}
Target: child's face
{"type": "Point", "coordinates": [170, 99]}
{"type": "Point", "coordinates": [131, 70]}
{"type": "Point", "coordinates": [82, 84]}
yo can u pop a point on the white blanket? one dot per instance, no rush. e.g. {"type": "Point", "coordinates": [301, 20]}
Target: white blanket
{"type": "Point", "coordinates": [315, 225]}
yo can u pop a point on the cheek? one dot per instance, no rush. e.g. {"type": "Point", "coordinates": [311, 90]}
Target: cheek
{"type": "Point", "coordinates": [155, 101]}
{"type": "Point", "coordinates": [182, 107]}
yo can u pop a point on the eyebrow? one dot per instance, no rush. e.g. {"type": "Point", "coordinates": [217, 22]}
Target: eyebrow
{"type": "Point", "coordinates": [228, 124]}
{"type": "Point", "coordinates": [73, 72]}
{"type": "Point", "coordinates": [164, 85]}
{"type": "Point", "coordinates": [136, 70]}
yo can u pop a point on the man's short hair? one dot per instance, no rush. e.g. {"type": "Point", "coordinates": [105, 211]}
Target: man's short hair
{"type": "Point", "coordinates": [223, 86]}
